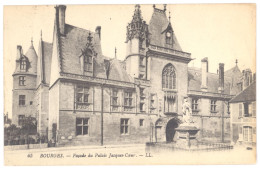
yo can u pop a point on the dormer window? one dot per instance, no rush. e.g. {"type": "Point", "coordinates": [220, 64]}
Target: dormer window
{"type": "Point", "coordinates": [23, 65]}
{"type": "Point", "coordinates": [88, 61]}
{"type": "Point", "coordinates": [168, 38]}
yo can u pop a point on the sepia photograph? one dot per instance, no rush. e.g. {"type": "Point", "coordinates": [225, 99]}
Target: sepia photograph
{"type": "Point", "coordinates": [129, 84]}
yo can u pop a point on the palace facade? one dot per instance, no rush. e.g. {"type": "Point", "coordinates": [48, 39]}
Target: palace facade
{"type": "Point", "coordinates": [80, 96]}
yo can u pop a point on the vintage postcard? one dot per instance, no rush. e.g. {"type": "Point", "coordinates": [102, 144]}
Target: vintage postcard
{"type": "Point", "coordinates": [129, 84]}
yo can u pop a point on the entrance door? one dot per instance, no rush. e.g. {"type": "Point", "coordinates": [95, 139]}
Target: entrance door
{"type": "Point", "coordinates": [170, 130]}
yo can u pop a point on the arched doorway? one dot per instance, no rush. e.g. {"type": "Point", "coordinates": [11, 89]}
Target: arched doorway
{"type": "Point", "coordinates": [170, 129]}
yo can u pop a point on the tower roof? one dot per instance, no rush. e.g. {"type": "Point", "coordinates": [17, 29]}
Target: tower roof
{"type": "Point", "coordinates": [159, 23]}
{"type": "Point", "coordinates": [32, 57]}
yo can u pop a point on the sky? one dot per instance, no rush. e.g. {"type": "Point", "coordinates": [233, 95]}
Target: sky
{"type": "Point", "coordinates": [223, 33]}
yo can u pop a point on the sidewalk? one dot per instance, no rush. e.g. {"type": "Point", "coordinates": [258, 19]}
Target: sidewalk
{"type": "Point", "coordinates": [77, 148]}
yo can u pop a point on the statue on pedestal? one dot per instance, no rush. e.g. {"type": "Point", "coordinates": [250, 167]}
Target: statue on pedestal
{"type": "Point", "coordinates": [187, 112]}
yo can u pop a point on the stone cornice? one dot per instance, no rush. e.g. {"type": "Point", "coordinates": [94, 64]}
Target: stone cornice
{"type": "Point", "coordinates": [170, 53]}
{"type": "Point", "coordinates": [209, 95]}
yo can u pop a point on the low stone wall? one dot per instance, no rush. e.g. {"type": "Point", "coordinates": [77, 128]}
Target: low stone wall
{"type": "Point", "coordinates": [24, 147]}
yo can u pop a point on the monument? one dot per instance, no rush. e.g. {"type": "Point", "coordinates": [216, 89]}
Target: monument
{"type": "Point", "coordinates": [187, 131]}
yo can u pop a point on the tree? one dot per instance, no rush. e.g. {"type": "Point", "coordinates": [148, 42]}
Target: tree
{"type": "Point", "coordinates": [29, 127]}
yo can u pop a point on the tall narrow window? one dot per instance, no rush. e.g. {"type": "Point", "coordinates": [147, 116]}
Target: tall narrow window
{"type": "Point", "coordinates": [168, 38]}
{"type": "Point", "coordinates": [88, 61]}
{"type": "Point", "coordinates": [114, 98]}
{"type": "Point", "coordinates": [142, 100]}
{"type": "Point", "coordinates": [246, 110]}
{"type": "Point", "coordinates": [213, 106]}
{"type": "Point", "coordinates": [169, 77]}
{"type": "Point", "coordinates": [247, 133]}
{"type": "Point", "coordinates": [21, 100]}
{"type": "Point", "coordinates": [124, 126]}
{"type": "Point", "coordinates": [128, 99]}
{"type": "Point", "coordinates": [22, 80]}
{"type": "Point", "coordinates": [253, 109]}
{"type": "Point", "coordinates": [23, 65]}
{"type": "Point", "coordinates": [82, 126]}
{"type": "Point", "coordinates": [240, 109]}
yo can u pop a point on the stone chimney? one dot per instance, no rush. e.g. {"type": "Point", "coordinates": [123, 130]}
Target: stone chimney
{"type": "Point", "coordinates": [247, 78]}
{"type": "Point", "coordinates": [19, 51]}
{"type": "Point", "coordinates": [61, 13]}
{"type": "Point", "coordinates": [204, 74]}
{"type": "Point", "coordinates": [221, 78]}
{"type": "Point", "coordinates": [98, 32]}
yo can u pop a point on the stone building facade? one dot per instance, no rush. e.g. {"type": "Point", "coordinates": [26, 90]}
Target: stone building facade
{"type": "Point", "coordinates": [82, 97]}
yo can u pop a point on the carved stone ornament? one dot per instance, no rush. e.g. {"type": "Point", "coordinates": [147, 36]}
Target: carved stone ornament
{"type": "Point", "coordinates": [138, 27]}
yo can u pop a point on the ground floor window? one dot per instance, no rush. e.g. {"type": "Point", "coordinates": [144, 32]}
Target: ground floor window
{"type": "Point", "coordinates": [82, 126]}
{"type": "Point", "coordinates": [124, 126]}
{"type": "Point", "coordinates": [247, 133]}
{"type": "Point", "coordinates": [194, 104]}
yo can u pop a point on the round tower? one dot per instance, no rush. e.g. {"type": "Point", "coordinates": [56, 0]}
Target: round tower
{"type": "Point", "coordinates": [24, 85]}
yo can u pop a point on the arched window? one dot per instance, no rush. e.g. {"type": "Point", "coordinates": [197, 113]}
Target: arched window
{"type": "Point", "coordinates": [169, 77]}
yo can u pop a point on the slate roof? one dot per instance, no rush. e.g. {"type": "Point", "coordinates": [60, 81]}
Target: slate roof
{"type": "Point", "coordinates": [74, 41]}
{"type": "Point", "coordinates": [32, 57]}
{"type": "Point", "coordinates": [117, 72]}
{"type": "Point", "coordinates": [194, 82]}
{"type": "Point", "coordinates": [47, 54]}
{"type": "Point", "coordinates": [71, 46]}
{"type": "Point", "coordinates": [158, 24]}
{"type": "Point", "coordinates": [247, 95]}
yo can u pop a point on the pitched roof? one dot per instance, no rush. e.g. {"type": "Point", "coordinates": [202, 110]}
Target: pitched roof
{"type": "Point", "coordinates": [158, 24]}
{"type": "Point", "coordinates": [72, 43]}
{"type": "Point", "coordinates": [249, 94]}
{"type": "Point", "coordinates": [47, 55]}
{"type": "Point", "coordinates": [44, 62]}
{"type": "Point", "coordinates": [194, 82]}
{"type": "Point", "coordinates": [233, 70]}
{"type": "Point", "coordinates": [117, 72]}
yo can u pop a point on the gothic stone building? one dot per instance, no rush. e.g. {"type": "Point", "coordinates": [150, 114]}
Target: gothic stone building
{"type": "Point", "coordinates": [79, 96]}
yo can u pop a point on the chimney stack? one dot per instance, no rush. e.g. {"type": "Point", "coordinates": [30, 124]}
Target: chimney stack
{"type": "Point", "coordinates": [19, 51]}
{"type": "Point", "coordinates": [98, 32]}
{"type": "Point", "coordinates": [204, 74]}
{"type": "Point", "coordinates": [247, 78]}
{"type": "Point", "coordinates": [221, 78]}
{"type": "Point", "coordinates": [61, 13]}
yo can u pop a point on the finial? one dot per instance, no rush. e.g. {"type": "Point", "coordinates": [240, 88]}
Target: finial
{"type": "Point", "coordinates": [236, 62]}
{"type": "Point", "coordinates": [164, 6]}
{"type": "Point", "coordinates": [137, 6]}
{"type": "Point", "coordinates": [115, 53]}
{"type": "Point", "coordinates": [41, 34]}
{"type": "Point", "coordinates": [89, 37]}
{"type": "Point", "coordinates": [153, 5]}
{"type": "Point", "coordinates": [32, 41]}
{"type": "Point", "coordinates": [169, 16]}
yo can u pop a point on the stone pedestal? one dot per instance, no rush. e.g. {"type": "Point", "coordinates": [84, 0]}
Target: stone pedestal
{"type": "Point", "coordinates": [186, 136]}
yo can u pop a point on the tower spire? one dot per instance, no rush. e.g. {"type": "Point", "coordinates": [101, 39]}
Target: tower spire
{"type": "Point", "coordinates": [41, 34]}
{"type": "Point", "coordinates": [115, 53]}
{"type": "Point", "coordinates": [164, 6]}
{"type": "Point", "coordinates": [169, 16]}
{"type": "Point", "coordinates": [236, 62]}
{"type": "Point", "coordinates": [32, 41]}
